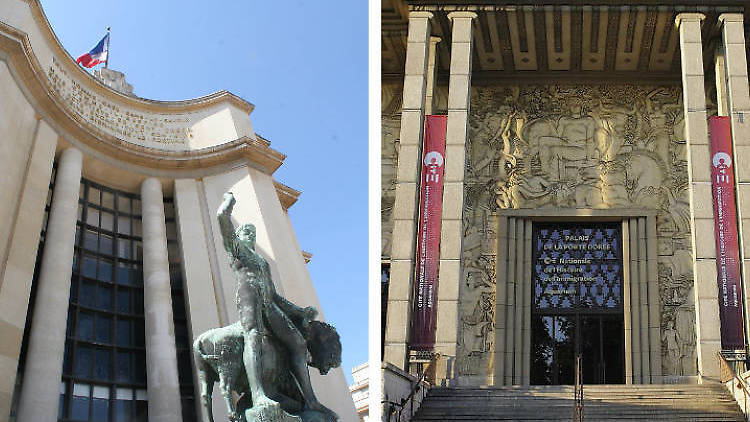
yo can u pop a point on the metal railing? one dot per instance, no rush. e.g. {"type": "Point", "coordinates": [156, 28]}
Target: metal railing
{"type": "Point", "coordinates": [727, 373]}
{"type": "Point", "coordinates": [418, 392]}
{"type": "Point", "coordinates": [578, 391]}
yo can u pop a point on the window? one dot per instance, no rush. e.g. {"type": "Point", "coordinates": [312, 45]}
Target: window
{"type": "Point", "coordinates": [182, 338]}
{"type": "Point", "coordinates": [385, 279]}
{"type": "Point", "coordinates": [104, 376]}
{"type": "Point", "coordinates": [104, 365]}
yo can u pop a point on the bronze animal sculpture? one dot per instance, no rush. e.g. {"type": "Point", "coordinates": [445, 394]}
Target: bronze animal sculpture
{"type": "Point", "coordinates": [218, 355]}
{"type": "Point", "coordinates": [265, 355]}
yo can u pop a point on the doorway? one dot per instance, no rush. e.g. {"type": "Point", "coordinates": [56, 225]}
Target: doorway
{"type": "Point", "coordinates": [577, 303]}
{"type": "Point", "coordinates": [557, 339]}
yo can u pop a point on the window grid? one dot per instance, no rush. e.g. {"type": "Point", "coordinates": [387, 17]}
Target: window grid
{"type": "Point", "coordinates": [183, 343]}
{"type": "Point", "coordinates": [107, 291]}
{"type": "Point", "coordinates": [104, 370]}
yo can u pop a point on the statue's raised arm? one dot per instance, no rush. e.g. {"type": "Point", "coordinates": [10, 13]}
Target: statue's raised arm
{"type": "Point", "coordinates": [225, 222]}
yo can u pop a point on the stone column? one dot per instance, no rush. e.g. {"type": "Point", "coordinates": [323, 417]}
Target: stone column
{"type": "Point", "coordinates": [451, 236]}
{"type": "Point", "coordinates": [738, 109]}
{"type": "Point", "coordinates": [708, 340]}
{"type": "Point", "coordinates": [40, 393]}
{"type": "Point", "coordinates": [161, 355]}
{"type": "Point", "coordinates": [406, 205]}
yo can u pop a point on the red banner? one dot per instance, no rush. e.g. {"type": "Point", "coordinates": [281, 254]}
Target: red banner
{"type": "Point", "coordinates": [725, 224]}
{"type": "Point", "coordinates": [428, 234]}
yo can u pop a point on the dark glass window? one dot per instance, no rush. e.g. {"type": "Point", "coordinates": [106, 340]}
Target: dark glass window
{"type": "Point", "coordinates": [104, 366]}
{"type": "Point", "coordinates": [182, 338]}
{"type": "Point", "coordinates": [105, 349]}
{"type": "Point", "coordinates": [385, 278]}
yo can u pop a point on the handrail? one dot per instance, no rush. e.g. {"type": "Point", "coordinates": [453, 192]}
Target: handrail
{"type": "Point", "coordinates": [578, 391]}
{"type": "Point", "coordinates": [727, 373]}
{"type": "Point", "coordinates": [399, 407]}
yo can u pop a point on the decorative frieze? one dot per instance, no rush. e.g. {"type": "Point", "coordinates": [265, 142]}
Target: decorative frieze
{"type": "Point", "coordinates": [160, 130]}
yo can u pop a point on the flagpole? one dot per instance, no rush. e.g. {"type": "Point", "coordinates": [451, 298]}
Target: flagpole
{"type": "Point", "coordinates": [106, 62]}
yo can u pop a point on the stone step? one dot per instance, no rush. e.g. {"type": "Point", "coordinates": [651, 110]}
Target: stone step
{"type": "Point", "coordinates": [671, 418]}
{"type": "Point", "coordinates": [697, 404]}
{"type": "Point", "coordinates": [587, 394]}
{"type": "Point", "coordinates": [630, 403]}
{"type": "Point", "coordinates": [598, 387]}
{"type": "Point", "coordinates": [589, 416]}
{"type": "Point", "coordinates": [589, 390]}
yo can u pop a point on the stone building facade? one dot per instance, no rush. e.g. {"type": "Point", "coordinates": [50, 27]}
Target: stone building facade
{"type": "Point", "coordinates": [123, 191]}
{"type": "Point", "coordinates": [568, 113]}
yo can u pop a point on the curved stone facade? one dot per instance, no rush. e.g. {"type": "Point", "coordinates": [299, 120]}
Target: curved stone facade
{"type": "Point", "coordinates": [191, 151]}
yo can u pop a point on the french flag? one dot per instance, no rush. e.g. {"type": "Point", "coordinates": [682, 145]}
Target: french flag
{"type": "Point", "coordinates": [97, 54]}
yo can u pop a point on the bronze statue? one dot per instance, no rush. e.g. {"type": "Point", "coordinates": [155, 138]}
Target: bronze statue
{"type": "Point", "coordinates": [264, 356]}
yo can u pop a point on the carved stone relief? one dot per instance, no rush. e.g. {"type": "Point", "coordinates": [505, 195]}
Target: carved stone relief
{"type": "Point", "coordinates": [582, 146]}
{"type": "Point", "coordinates": [390, 128]}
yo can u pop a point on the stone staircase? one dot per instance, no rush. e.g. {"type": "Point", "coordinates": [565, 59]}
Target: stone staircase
{"type": "Point", "coordinates": [630, 403]}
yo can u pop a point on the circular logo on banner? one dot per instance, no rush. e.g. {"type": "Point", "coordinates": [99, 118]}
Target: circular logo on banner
{"type": "Point", "coordinates": [722, 160]}
{"type": "Point", "coordinates": [433, 158]}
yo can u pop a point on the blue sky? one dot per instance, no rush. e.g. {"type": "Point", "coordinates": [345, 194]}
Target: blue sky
{"type": "Point", "coordinates": [304, 66]}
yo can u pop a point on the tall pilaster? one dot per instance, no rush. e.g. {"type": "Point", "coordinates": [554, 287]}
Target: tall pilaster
{"type": "Point", "coordinates": [451, 236]}
{"type": "Point", "coordinates": [738, 109]}
{"type": "Point", "coordinates": [406, 206]}
{"type": "Point", "coordinates": [40, 393]}
{"type": "Point", "coordinates": [161, 355]}
{"type": "Point", "coordinates": [708, 340]}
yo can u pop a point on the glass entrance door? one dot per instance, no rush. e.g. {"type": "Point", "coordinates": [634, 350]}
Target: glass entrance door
{"type": "Point", "coordinates": [577, 303]}
{"type": "Point", "coordinates": [557, 339]}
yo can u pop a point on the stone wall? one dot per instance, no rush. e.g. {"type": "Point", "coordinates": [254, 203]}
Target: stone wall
{"type": "Point", "coordinates": [576, 146]}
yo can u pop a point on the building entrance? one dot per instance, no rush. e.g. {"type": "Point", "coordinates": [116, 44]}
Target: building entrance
{"type": "Point", "coordinates": [577, 303]}
{"type": "Point", "coordinates": [557, 339]}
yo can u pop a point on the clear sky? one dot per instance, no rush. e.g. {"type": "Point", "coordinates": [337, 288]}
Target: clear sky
{"type": "Point", "coordinates": [304, 66]}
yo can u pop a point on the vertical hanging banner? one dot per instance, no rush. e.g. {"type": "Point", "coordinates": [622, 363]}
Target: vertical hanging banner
{"type": "Point", "coordinates": [725, 231]}
{"type": "Point", "coordinates": [428, 234]}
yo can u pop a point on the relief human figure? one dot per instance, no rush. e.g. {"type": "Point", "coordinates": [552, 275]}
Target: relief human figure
{"type": "Point", "coordinates": [260, 308]}
{"type": "Point", "coordinates": [672, 360]}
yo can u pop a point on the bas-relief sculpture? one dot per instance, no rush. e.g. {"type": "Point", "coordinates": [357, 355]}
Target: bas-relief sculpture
{"type": "Point", "coordinates": [390, 128]}
{"type": "Point", "coordinates": [576, 147]}
{"type": "Point", "coordinates": [264, 356]}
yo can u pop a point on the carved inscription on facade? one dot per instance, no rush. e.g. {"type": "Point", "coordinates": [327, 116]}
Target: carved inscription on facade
{"type": "Point", "coordinates": [165, 131]}
{"type": "Point", "coordinates": [576, 146]}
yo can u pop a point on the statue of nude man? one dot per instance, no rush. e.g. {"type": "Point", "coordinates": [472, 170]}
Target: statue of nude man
{"type": "Point", "coordinates": [258, 304]}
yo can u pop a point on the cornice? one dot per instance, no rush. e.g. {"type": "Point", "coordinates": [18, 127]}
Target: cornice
{"type": "Point", "coordinates": [144, 104]}
{"type": "Point", "coordinates": [287, 196]}
{"type": "Point", "coordinates": [16, 49]}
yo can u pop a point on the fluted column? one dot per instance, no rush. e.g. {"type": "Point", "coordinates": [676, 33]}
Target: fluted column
{"type": "Point", "coordinates": [40, 393]}
{"type": "Point", "coordinates": [405, 208]}
{"type": "Point", "coordinates": [161, 355]}
{"type": "Point", "coordinates": [707, 327]}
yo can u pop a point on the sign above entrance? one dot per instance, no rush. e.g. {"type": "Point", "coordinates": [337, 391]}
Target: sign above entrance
{"type": "Point", "coordinates": [577, 265]}
{"type": "Point", "coordinates": [725, 226]}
